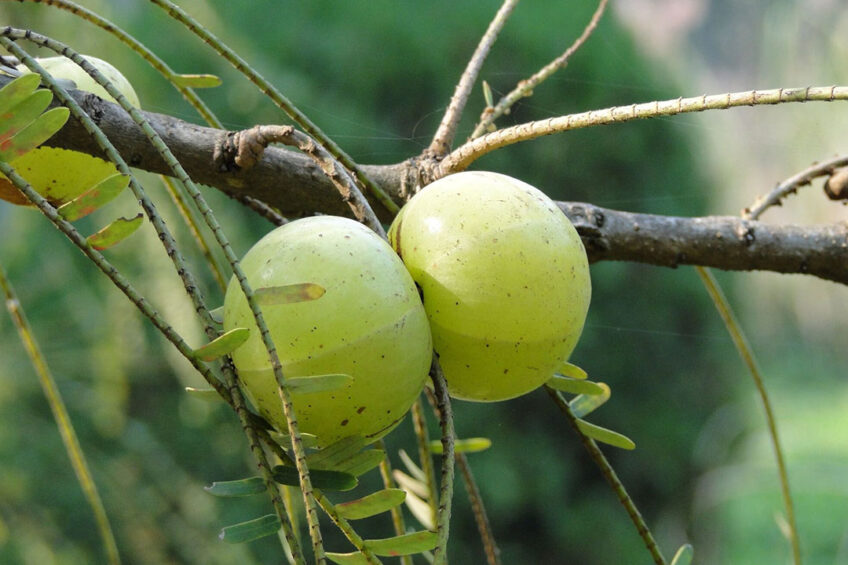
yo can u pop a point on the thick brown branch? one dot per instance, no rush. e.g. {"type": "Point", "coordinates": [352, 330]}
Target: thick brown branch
{"type": "Point", "coordinates": [293, 184]}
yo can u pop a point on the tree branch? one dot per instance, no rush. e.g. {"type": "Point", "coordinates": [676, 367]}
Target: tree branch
{"type": "Point", "coordinates": [293, 184]}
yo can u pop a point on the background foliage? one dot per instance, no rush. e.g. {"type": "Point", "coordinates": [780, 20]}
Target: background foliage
{"type": "Point", "coordinates": [376, 76]}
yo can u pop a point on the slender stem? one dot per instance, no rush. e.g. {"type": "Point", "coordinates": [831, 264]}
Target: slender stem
{"type": "Point", "coordinates": [747, 354]}
{"type": "Point", "coordinates": [612, 478]}
{"type": "Point", "coordinates": [440, 391]}
{"type": "Point", "coordinates": [396, 512]}
{"type": "Point", "coordinates": [63, 420]}
{"type": "Point", "coordinates": [462, 157]}
{"type": "Point", "coordinates": [525, 87]}
{"type": "Point", "coordinates": [447, 129]}
{"type": "Point", "coordinates": [277, 97]}
{"type": "Point", "coordinates": [792, 184]}
{"type": "Point", "coordinates": [480, 516]}
{"type": "Point", "coordinates": [422, 435]}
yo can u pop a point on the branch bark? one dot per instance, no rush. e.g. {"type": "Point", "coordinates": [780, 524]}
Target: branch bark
{"type": "Point", "coordinates": [292, 183]}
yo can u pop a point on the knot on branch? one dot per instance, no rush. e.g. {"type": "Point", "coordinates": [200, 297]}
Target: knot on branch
{"type": "Point", "coordinates": [418, 172]}
{"type": "Point", "coordinates": [836, 186]}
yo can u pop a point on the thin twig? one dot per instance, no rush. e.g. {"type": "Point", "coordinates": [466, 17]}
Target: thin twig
{"type": "Point", "coordinates": [396, 512]}
{"type": "Point", "coordinates": [447, 129]}
{"type": "Point", "coordinates": [792, 184]}
{"type": "Point", "coordinates": [440, 390]}
{"type": "Point", "coordinates": [490, 547]}
{"type": "Point", "coordinates": [63, 420]}
{"type": "Point", "coordinates": [612, 478]}
{"type": "Point", "coordinates": [425, 458]}
{"type": "Point", "coordinates": [462, 157]}
{"type": "Point", "coordinates": [525, 87]}
{"type": "Point", "coordinates": [747, 354]}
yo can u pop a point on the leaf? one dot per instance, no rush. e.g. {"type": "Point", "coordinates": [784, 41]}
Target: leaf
{"type": "Point", "coordinates": [317, 383]}
{"type": "Point", "coordinates": [95, 197]}
{"type": "Point", "coordinates": [217, 315]}
{"type": "Point", "coordinates": [24, 112]}
{"type": "Point", "coordinates": [307, 440]}
{"type": "Point", "coordinates": [421, 510]}
{"type": "Point", "coordinates": [586, 403]}
{"type": "Point", "coordinates": [333, 454]}
{"type": "Point", "coordinates": [467, 445]}
{"type": "Point", "coordinates": [33, 135]}
{"type": "Point", "coordinates": [323, 479]}
{"type": "Point", "coordinates": [114, 233]}
{"type": "Point", "coordinates": [371, 505]}
{"type": "Point", "coordinates": [684, 555]}
{"type": "Point", "coordinates": [355, 558]}
{"type": "Point", "coordinates": [16, 91]}
{"type": "Point", "coordinates": [487, 95]}
{"type": "Point", "coordinates": [251, 530]}
{"type": "Point", "coordinates": [413, 469]}
{"type": "Point", "coordinates": [288, 294]}
{"type": "Point", "coordinates": [241, 487]}
{"type": "Point", "coordinates": [222, 345]}
{"type": "Point", "coordinates": [362, 462]}
{"type": "Point", "coordinates": [196, 80]}
{"type": "Point", "coordinates": [604, 435]}
{"type": "Point", "coordinates": [208, 394]}
{"type": "Point", "coordinates": [411, 484]}
{"type": "Point", "coordinates": [573, 386]}
{"type": "Point", "coordinates": [573, 371]}
{"type": "Point", "coordinates": [407, 544]}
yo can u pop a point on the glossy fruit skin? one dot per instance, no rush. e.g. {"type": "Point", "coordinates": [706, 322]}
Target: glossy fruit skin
{"type": "Point", "coordinates": [504, 279]}
{"type": "Point", "coordinates": [60, 175]}
{"type": "Point", "coordinates": [369, 324]}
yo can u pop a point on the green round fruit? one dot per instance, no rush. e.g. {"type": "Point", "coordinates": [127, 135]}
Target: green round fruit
{"type": "Point", "coordinates": [370, 324]}
{"type": "Point", "coordinates": [504, 279]}
{"type": "Point", "coordinates": [60, 175]}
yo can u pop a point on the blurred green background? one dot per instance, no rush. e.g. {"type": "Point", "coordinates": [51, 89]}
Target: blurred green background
{"type": "Point", "coordinates": [376, 77]}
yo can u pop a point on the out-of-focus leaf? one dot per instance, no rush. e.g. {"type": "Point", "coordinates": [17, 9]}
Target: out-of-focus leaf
{"type": "Point", "coordinates": [573, 386]}
{"type": "Point", "coordinates": [325, 480]}
{"type": "Point", "coordinates": [288, 294]}
{"type": "Point", "coordinates": [115, 232]}
{"type": "Point", "coordinates": [407, 544]}
{"type": "Point", "coordinates": [355, 558]}
{"type": "Point", "coordinates": [371, 505]}
{"type": "Point", "coordinates": [37, 132]}
{"type": "Point", "coordinates": [332, 455]}
{"type": "Point", "coordinates": [222, 345]}
{"type": "Point", "coordinates": [604, 435]}
{"type": "Point", "coordinates": [684, 555]}
{"type": "Point", "coordinates": [412, 467]}
{"type": "Point", "coordinates": [217, 315]}
{"type": "Point", "coordinates": [95, 197]}
{"type": "Point", "coordinates": [317, 383]}
{"type": "Point", "coordinates": [24, 113]}
{"type": "Point", "coordinates": [251, 530]}
{"type": "Point", "coordinates": [421, 510]}
{"type": "Point", "coordinates": [197, 80]}
{"type": "Point", "coordinates": [467, 445]}
{"type": "Point", "coordinates": [17, 91]}
{"type": "Point", "coordinates": [586, 403]}
{"type": "Point", "coordinates": [573, 371]}
{"type": "Point", "coordinates": [208, 394]}
{"type": "Point", "coordinates": [411, 484]}
{"type": "Point", "coordinates": [241, 487]}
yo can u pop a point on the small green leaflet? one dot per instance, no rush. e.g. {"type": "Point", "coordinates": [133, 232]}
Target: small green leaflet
{"type": "Point", "coordinates": [217, 315]}
{"type": "Point", "coordinates": [421, 510]}
{"type": "Point", "coordinates": [241, 487]}
{"type": "Point", "coordinates": [410, 484]}
{"type": "Point", "coordinates": [325, 480]}
{"type": "Point", "coordinates": [371, 505]}
{"type": "Point", "coordinates": [25, 112]}
{"type": "Point", "coordinates": [95, 197]}
{"type": "Point", "coordinates": [355, 558]}
{"type": "Point", "coordinates": [574, 386]}
{"type": "Point", "coordinates": [208, 394]}
{"type": "Point", "coordinates": [114, 233]}
{"type": "Point", "coordinates": [487, 95]}
{"type": "Point", "coordinates": [407, 544]}
{"type": "Point", "coordinates": [333, 454]}
{"type": "Point", "coordinates": [585, 404]}
{"type": "Point", "coordinates": [288, 294]}
{"type": "Point", "coordinates": [16, 92]}
{"type": "Point", "coordinates": [468, 445]}
{"type": "Point", "coordinates": [317, 383]}
{"type": "Point", "coordinates": [251, 530]}
{"type": "Point", "coordinates": [410, 465]}
{"type": "Point", "coordinates": [222, 345]}
{"type": "Point", "coordinates": [573, 371]}
{"type": "Point", "coordinates": [604, 435]}
{"type": "Point", "coordinates": [196, 80]}
{"type": "Point", "coordinates": [684, 555]}
{"type": "Point", "coordinates": [34, 134]}
{"type": "Point", "coordinates": [362, 462]}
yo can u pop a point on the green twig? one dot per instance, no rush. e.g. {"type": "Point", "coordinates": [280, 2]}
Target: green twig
{"type": "Point", "coordinates": [490, 547]}
{"type": "Point", "coordinates": [63, 420]}
{"type": "Point", "coordinates": [612, 478]}
{"type": "Point", "coordinates": [747, 354]}
{"type": "Point", "coordinates": [440, 391]}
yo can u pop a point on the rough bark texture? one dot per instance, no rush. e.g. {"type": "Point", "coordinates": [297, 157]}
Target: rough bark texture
{"type": "Point", "coordinates": [292, 183]}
